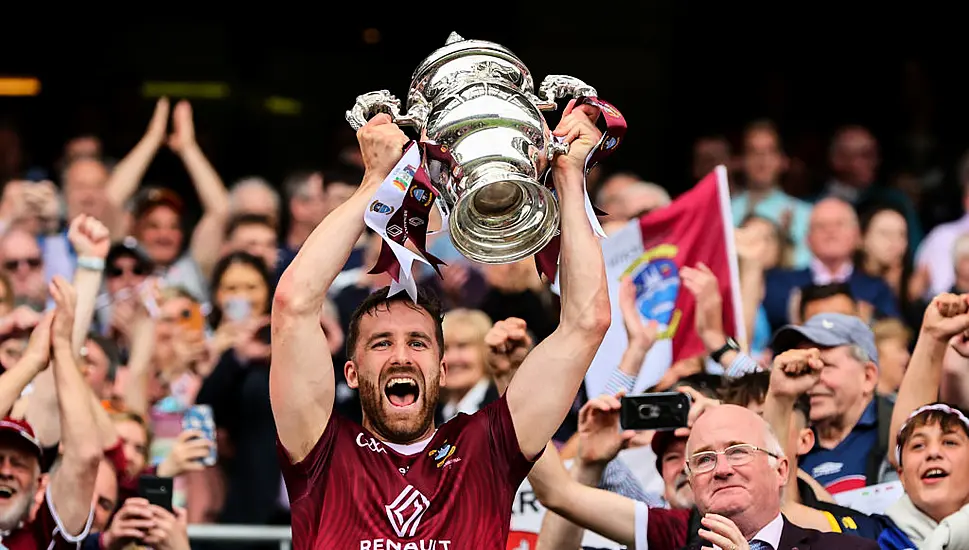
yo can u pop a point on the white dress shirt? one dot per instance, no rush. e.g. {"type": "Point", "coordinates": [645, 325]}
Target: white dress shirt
{"type": "Point", "coordinates": [771, 533]}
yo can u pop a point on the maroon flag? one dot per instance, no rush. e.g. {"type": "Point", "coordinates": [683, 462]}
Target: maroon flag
{"type": "Point", "coordinates": [695, 228]}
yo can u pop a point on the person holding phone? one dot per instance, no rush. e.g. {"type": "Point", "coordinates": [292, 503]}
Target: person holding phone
{"type": "Point", "coordinates": [237, 388]}
{"type": "Point", "coordinates": [144, 525]}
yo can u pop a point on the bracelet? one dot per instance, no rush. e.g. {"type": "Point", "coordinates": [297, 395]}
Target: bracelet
{"type": "Point", "coordinates": [91, 263]}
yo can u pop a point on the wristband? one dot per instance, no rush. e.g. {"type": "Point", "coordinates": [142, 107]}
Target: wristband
{"type": "Point", "coordinates": [91, 263]}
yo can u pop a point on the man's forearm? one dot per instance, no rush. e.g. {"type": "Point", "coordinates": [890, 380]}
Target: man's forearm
{"type": "Point", "coordinates": [14, 380]}
{"type": "Point", "coordinates": [921, 382]}
{"type": "Point", "coordinates": [74, 403]}
{"type": "Point", "coordinates": [87, 283]}
{"type": "Point", "coordinates": [585, 297]}
{"type": "Point", "coordinates": [212, 192]}
{"type": "Point", "coordinates": [589, 474]}
{"type": "Point", "coordinates": [777, 413]}
{"type": "Point", "coordinates": [323, 255]}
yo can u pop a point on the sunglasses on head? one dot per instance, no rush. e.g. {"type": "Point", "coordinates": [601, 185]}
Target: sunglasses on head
{"type": "Point", "coordinates": [13, 265]}
{"type": "Point", "coordinates": [114, 271]}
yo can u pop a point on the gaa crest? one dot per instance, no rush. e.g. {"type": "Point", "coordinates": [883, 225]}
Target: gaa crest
{"type": "Point", "coordinates": [657, 280]}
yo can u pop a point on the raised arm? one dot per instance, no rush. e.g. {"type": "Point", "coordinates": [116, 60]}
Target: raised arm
{"type": "Point", "coordinates": [207, 236]}
{"type": "Point", "coordinates": [31, 363]}
{"type": "Point", "coordinates": [545, 386]}
{"type": "Point", "coordinates": [126, 175]}
{"type": "Point", "coordinates": [608, 514]}
{"type": "Point", "coordinates": [794, 372]}
{"type": "Point", "coordinates": [301, 381]}
{"type": "Point", "coordinates": [72, 482]}
{"type": "Point", "coordinates": [946, 318]}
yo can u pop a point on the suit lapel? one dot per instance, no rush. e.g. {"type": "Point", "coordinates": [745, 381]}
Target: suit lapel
{"type": "Point", "coordinates": [794, 538]}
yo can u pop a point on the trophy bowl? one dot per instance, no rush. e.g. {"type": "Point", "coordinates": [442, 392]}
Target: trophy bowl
{"type": "Point", "coordinates": [475, 100]}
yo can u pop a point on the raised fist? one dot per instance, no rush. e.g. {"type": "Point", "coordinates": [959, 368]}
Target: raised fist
{"type": "Point", "coordinates": [89, 237]}
{"type": "Point", "coordinates": [946, 316]}
{"type": "Point", "coordinates": [795, 372]}
{"type": "Point", "coordinates": [381, 145]}
{"type": "Point", "coordinates": [508, 343]}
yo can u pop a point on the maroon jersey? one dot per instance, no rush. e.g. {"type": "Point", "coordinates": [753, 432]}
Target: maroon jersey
{"type": "Point", "coordinates": [42, 533]}
{"type": "Point", "coordinates": [354, 492]}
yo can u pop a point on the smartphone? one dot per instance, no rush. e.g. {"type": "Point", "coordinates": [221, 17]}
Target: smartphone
{"type": "Point", "coordinates": [201, 418]}
{"type": "Point", "coordinates": [237, 309]}
{"type": "Point", "coordinates": [157, 490]}
{"type": "Point", "coordinates": [654, 411]}
{"type": "Point", "coordinates": [192, 319]}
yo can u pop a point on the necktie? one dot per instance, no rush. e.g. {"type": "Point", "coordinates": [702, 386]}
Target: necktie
{"type": "Point", "coordinates": [760, 545]}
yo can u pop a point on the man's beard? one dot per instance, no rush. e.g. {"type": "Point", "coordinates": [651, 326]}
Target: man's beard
{"type": "Point", "coordinates": [399, 430]}
{"type": "Point", "coordinates": [16, 510]}
{"type": "Point", "coordinates": [682, 497]}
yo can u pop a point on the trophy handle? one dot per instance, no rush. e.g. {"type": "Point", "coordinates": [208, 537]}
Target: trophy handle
{"type": "Point", "coordinates": [370, 104]}
{"type": "Point", "coordinates": [557, 86]}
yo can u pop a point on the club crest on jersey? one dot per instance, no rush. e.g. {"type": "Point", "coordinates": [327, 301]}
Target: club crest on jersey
{"type": "Point", "coordinates": [442, 455]}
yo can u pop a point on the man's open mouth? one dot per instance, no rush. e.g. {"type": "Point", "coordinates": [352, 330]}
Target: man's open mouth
{"type": "Point", "coordinates": [7, 492]}
{"type": "Point", "coordinates": [401, 391]}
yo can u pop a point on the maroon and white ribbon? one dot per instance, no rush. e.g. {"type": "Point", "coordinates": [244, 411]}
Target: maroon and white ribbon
{"type": "Point", "coordinates": [399, 213]}
{"type": "Point", "coordinates": [547, 259]}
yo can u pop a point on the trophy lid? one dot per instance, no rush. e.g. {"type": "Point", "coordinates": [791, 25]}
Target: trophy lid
{"type": "Point", "coordinates": [458, 46]}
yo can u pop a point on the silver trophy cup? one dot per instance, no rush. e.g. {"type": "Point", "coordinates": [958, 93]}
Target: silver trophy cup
{"type": "Point", "coordinates": [476, 100]}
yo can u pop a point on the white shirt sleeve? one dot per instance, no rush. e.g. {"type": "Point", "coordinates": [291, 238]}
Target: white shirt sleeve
{"type": "Point", "coordinates": [642, 520]}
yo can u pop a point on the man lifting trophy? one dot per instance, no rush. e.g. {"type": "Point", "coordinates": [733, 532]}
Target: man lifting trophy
{"type": "Point", "coordinates": [482, 156]}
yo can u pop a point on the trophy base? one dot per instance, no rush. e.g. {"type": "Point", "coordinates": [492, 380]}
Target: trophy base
{"type": "Point", "coordinates": [503, 218]}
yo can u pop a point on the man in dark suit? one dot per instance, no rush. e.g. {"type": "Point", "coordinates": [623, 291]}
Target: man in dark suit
{"type": "Point", "coordinates": [833, 237]}
{"type": "Point", "coordinates": [737, 469]}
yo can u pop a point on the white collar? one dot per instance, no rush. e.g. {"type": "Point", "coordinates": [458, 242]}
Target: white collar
{"type": "Point", "coordinates": [771, 533]}
{"type": "Point", "coordinates": [410, 449]}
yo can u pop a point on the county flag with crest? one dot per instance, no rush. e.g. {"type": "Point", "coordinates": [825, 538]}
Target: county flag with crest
{"type": "Point", "coordinates": [695, 228]}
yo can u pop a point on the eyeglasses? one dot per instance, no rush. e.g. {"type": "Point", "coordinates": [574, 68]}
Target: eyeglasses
{"type": "Point", "coordinates": [115, 271]}
{"type": "Point", "coordinates": [13, 265]}
{"type": "Point", "coordinates": [737, 455]}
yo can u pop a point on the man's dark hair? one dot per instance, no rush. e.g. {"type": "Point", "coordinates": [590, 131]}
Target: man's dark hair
{"type": "Point", "coordinates": [741, 391]}
{"type": "Point", "coordinates": [110, 350]}
{"type": "Point", "coordinates": [378, 300]}
{"type": "Point", "coordinates": [752, 387]}
{"type": "Point", "coordinates": [242, 220]}
{"type": "Point", "coordinates": [812, 293]}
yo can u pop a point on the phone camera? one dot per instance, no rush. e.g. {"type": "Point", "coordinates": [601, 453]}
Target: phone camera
{"type": "Point", "coordinates": [649, 411]}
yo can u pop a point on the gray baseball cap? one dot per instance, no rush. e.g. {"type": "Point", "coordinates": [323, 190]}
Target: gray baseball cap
{"type": "Point", "coordinates": [827, 330]}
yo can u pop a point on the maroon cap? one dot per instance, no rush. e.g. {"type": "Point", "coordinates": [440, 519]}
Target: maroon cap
{"type": "Point", "coordinates": [661, 441]}
{"type": "Point", "coordinates": [22, 429]}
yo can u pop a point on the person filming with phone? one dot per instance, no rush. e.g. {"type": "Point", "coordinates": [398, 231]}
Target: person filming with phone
{"type": "Point", "coordinates": [237, 389]}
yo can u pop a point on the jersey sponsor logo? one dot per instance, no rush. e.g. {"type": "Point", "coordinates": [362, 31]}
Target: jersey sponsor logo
{"type": "Point", "coordinates": [369, 443]}
{"type": "Point", "coordinates": [442, 455]}
{"type": "Point", "coordinates": [406, 511]}
{"type": "Point", "coordinates": [387, 544]}
{"type": "Point", "coordinates": [826, 469]}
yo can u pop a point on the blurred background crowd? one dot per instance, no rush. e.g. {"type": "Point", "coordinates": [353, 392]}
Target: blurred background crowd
{"type": "Point", "coordinates": [865, 219]}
